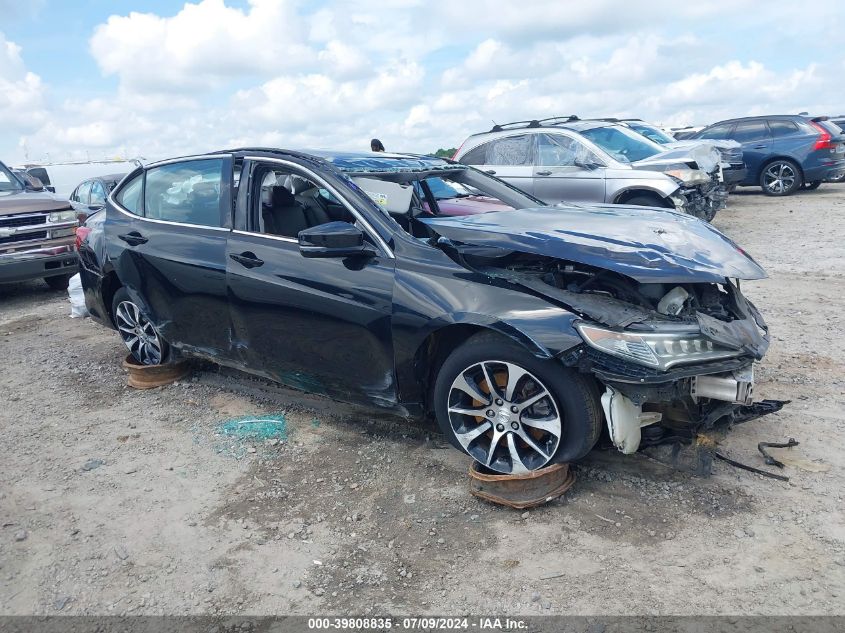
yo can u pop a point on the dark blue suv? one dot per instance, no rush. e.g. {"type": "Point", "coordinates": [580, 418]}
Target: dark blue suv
{"type": "Point", "coordinates": [784, 153]}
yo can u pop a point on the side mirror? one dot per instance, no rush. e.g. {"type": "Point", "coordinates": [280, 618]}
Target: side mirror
{"type": "Point", "coordinates": [50, 188]}
{"type": "Point", "coordinates": [334, 239]}
{"type": "Point", "coordinates": [587, 164]}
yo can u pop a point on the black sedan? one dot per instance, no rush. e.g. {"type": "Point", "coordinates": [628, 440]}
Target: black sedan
{"type": "Point", "coordinates": [523, 330]}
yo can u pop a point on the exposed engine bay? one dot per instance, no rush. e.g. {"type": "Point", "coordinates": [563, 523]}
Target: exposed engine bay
{"type": "Point", "coordinates": [676, 358]}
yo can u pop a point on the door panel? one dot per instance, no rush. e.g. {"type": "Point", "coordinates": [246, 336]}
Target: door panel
{"type": "Point", "coordinates": [176, 270]}
{"type": "Point", "coordinates": [321, 325]}
{"type": "Point", "coordinates": [756, 141]}
{"type": "Point", "coordinates": [557, 177]}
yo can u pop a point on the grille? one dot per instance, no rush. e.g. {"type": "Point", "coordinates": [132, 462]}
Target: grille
{"type": "Point", "coordinates": [15, 221]}
{"type": "Point", "coordinates": [22, 220]}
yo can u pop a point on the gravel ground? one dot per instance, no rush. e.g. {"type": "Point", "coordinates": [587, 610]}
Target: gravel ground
{"type": "Point", "coordinates": [117, 501]}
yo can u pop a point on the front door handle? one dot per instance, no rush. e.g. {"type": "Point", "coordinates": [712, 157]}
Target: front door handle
{"type": "Point", "coordinates": [133, 238]}
{"type": "Point", "coordinates": [764, 146]}
{"type": "Point", "coordinates": [544, 173]}
{"type": "Point", "coordinates": [247, 259]}
{"type": "Point", "coordinates": [490, 171]}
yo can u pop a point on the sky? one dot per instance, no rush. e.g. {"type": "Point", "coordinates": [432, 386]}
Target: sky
{"type": "Point", "coordinates": [101, 79]}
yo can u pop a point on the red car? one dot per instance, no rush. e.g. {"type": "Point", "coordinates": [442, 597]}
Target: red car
{"type": "Point", "coordinates": [452, 202]}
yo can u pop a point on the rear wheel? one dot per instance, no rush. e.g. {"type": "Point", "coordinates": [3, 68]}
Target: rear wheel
{"type": "Point", "coordinates": [58, 282]}
{"type": "Point", "coordinates": [136, 330]}
{"type": "Point", "coordinates": [780, 178]}
{"type": "Point", "coordinates": [511, 411]}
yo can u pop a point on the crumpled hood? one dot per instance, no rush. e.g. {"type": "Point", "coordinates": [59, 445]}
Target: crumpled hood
{"type": "Point", "coordinates": [13, 202]}
{"type": "Point", "coordinates": [706, 156]}
{"type": "Point", "coordinates": [646, 244]}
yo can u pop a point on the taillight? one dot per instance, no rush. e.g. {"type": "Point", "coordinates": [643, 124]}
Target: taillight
{"type": "Point", "coordinates": [81, 233]}
{"type": "Point", "coordinates": [457, 151]}
{"type": "Point", "coordinates": [824, 140]}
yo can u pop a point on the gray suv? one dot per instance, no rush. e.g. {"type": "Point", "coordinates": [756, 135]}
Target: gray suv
{"type": "Point", "coordinates": [570, 160]}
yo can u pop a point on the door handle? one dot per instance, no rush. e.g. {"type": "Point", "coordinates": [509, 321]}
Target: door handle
{"type": "Point", "coordinates": [544, 173]}
{"type": "Point", "coordinates": [247, 259]}
{"type": "Point", "coordinates": [490, 171]}
{"type": "Point", "coordinates": [759, 146]}
{"type": "Point", "coordinates": [133, 238]}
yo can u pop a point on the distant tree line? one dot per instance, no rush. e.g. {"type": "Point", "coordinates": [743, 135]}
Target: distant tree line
{"type": "Point", "coordinates": [446, 153]}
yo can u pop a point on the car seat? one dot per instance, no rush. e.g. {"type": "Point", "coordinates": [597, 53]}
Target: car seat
{"type": "Point", "coordinates": [283, 215]}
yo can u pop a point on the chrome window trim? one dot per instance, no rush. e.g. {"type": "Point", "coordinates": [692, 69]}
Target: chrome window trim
{"type": "Point", "coordinates": [185, 159]}
{"type": "Point", "coordinates": [280, 238]}
{"type": "Point", "coordinates": [349, 207]}
{"type": "Point", "coordinates": [170, 222]}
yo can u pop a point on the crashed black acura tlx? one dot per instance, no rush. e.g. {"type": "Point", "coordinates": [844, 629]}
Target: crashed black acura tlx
{"type": "Point", "coordinates": [422, 286]}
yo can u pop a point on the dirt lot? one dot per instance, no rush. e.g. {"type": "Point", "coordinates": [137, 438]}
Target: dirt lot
{"type": "Point", "coordinates": [116, 501]}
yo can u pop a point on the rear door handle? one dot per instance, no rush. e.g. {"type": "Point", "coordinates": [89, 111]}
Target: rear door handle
{"type": "Point", "coordinates": [544, 173]}
{"type": "Point", "coordinates": [247, 259]}
{"type": "Point", "coordinates": [490, 171]}
{"type": "Point", "coordinates": [133, 238]}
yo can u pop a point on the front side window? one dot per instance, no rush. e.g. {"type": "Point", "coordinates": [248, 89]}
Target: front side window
{"type": "Point", "coordinates": [83, 191]}
{"type": "Point", "coordinates": [751, 131]}
{"type": "Point", "coordinates": [717, 132]}
{"type": "Point", "coordinates": [556, 150]}
{"type": "Point", "coordinates": [8, 181]}
{"type": "Point", "coordinates": [129, 197]}
{"type": "Point", "coordinates": [186, 192]}
{"type": "Point", "coordinates": [623, 144]}
{"type": "Point", "coordinates": [288, 202]}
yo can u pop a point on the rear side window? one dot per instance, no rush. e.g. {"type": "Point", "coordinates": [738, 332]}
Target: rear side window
{"type": "Point", "coordinates": [751, 131]}
{"type": "Point", "coordinates": [511, 150]}
{"type": "Point", "coordinates": [717, 131]}
{"type": "Point", "coordinates": [782, 128]}
{"type": "Point", "coordinates": [129, 197]}
{"type": "Point", "coordinates": [187, 192]}
{"type": "Point", "coordinates": [476, 156]}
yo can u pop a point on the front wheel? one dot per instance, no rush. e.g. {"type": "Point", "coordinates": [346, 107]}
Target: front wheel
{"type": "Point", "coordinates": [511, 411]}
{"type": "Point", "coordinates": [780, 178]}
{"type": "Point", "coordinates": [136, 330]}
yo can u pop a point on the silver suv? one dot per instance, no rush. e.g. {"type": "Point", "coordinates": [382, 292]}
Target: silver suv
{"type": "Point", "coordinates": [570, 160]}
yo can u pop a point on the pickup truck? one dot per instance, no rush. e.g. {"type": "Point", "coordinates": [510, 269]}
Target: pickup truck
{"type": "Point", "coordinates": [37, 233]}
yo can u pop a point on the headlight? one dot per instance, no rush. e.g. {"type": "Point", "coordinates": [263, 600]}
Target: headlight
{"type": "Point", "coordinates": [689, 176]}
{"type": "Point", "coordinates": [654, 349]}
{"type": "Point", "coordinates": [61, 216]}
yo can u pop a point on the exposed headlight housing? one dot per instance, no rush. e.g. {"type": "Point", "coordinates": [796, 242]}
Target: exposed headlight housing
{"type": "Point", "coordinates": [654, 349]}
{"type": "Point", "coordinates": [689, 176]}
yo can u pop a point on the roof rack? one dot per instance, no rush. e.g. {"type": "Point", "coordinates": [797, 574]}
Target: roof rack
{"type": "Point", "coordinates": [516, 125]}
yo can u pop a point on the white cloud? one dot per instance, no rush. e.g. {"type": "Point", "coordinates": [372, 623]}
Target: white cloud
{"type": "Point", "coordinates": [21, 91]}
{"type": "Point", "coordinates": [419, 74]}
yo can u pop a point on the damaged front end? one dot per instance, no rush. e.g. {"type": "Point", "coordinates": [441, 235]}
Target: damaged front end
{"type": "Point", "coordinates": [698, 172]}
{"type": "Point", "coordinates": [675, 360]}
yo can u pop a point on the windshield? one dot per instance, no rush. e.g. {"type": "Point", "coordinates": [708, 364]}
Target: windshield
{"type": "Point", "coordinates": [623, 144]}
{"type": "Point", "coordinates": [8, 181]}
{"type": "Point", "coordinates": [441, 190]}
{"type": "Point", "coordinates": [650, 132]}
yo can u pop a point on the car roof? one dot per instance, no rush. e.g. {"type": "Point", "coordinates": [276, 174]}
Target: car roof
{"type": "Point", "coordinates": [346, 161]}
{"type": "Point", "coordinates": [763, 116]}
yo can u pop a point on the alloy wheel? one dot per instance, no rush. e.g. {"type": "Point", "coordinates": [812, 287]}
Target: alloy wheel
{"type": "Point", "coordinates": [779, 178]}
{"type": "Point", "coordinates": [504, 417]}
{"type": "Point", "coordinates": [138, 334]}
